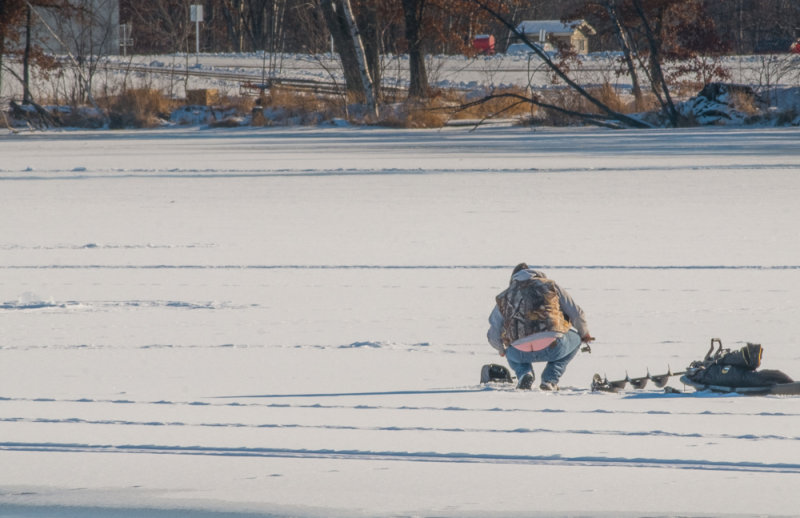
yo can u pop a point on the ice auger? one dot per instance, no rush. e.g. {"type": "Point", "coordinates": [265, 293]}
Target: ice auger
{"type": "Point", "coordinates": [601, 383]}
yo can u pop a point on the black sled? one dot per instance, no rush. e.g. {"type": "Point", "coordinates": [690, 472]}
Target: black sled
{"type": "Point", "coordinates": [737, 372]}
{"type": "Point", "coordinates": [783, 389]}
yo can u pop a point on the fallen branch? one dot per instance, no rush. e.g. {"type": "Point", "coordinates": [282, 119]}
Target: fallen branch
{"type": "Point", "coordinates": [45, 119]}
{"type": "Point", "coordinates": [591, 118]}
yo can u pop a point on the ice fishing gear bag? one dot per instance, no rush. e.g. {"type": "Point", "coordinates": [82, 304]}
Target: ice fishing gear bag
{"type": "Point", "coordinates": [734, 369]}
{"type": "Point", "coordinates": [530, 306]}
{"type": "Point", "coordinates": [495, 372]}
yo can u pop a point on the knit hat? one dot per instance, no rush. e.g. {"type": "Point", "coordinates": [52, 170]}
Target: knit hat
{"type": "Point", "coordinates": [520, 266]}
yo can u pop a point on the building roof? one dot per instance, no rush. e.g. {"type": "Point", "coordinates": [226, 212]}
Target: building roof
{"type": "Point", "coordinates": [555, 27]}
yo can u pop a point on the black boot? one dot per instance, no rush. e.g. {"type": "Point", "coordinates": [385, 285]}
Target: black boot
{"type": "Point", "coordinates": [526, 381]}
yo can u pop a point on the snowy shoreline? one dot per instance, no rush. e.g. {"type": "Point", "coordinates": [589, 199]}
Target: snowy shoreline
{"type": "Point", "coordinates": [774, 79]}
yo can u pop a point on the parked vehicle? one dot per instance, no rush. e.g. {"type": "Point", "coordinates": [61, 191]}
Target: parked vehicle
{"type": "Point", "coordinates": [484, 43]}
{"type": "Point", "coordinates": [522, 48]}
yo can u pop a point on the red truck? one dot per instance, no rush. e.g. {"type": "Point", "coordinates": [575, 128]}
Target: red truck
{"type": "Point", "coordinates": [483, 43]}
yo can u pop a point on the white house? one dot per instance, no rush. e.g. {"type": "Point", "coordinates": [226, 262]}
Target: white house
{"type": "Point", "coordinates": [575, 33]}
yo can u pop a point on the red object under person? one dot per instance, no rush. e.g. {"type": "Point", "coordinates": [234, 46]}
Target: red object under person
{"type": "Point", "coordinates": [484, 43]}
{"type": "Point", "coordinates": [795, 48]}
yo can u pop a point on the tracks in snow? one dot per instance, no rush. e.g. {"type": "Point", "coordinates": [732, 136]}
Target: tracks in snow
{"type": "Point", "coordinates": [632, 267]}
{"type": "Point", "coordinates": [524, 429]}
{"type": "Point", "coordinates": [555, 460]}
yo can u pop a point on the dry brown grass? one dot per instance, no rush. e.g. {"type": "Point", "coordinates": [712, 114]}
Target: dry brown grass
{"type": "Point", "coordinates": [288, 107]}
{"type": "Point", "coordinates": [609, 96]}
{"type": "Point", "coordinates": [649, 102]}
{"type": "Point", "coordinates": [76, 117]}
{"type": "Point", "coordinates": [239, 103]}
{"type": "Point", "coordinates": [137, 108]}
{"type": "Point", "coordinates": [744, 102]}
{"type": "Point", "coordinates": [685, 89]}
{"type": "Point", "coordinates": [503, 103]}
{"type": "Point", "coordinates": [408, 115]}
{"type": "Point", "coordinates": [445, 106]}
{"type": "Point", "coordinates": [146, 107]}
{"type": "Point", "coordinates": [563, 98]}
{"type": "Point", "coordinates": [282, 106]}
{"type": "Point", "coordinates": [571, 100]}
{"type": "Point", "coordinates": [418, 113]}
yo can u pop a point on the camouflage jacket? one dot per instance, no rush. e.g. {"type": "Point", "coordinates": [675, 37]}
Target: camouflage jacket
{"type": "Point", "coordinates": [572, 313]}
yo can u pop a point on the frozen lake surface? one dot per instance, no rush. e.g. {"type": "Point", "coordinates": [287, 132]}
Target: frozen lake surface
{"type": "Point", "coordinates": [291, 322]}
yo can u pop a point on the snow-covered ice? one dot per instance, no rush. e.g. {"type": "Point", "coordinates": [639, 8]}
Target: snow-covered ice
{"type": "Point", "coordinates": [291, 322]}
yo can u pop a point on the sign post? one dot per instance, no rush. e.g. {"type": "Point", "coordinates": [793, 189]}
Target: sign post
{"type": "Point", "coordinates": [125, 39]}
{"type": "Point", "coordinates": [196, 15]}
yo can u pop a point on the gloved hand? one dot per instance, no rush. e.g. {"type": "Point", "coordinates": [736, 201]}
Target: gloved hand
{"type": "Point", "coordinates": [586, 339]}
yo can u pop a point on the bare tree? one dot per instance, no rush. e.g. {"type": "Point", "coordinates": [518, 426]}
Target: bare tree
{"type": "Point", "coordinates": [337, 26]}
{"type": "Point", "coordinates": [87, 30]}
{"type": "Point", "coordinates": [32, 54]}
{"type": "Point", "coordinates": [16, 21]}
{"type": "Point", "coordinates": [361, 60]}
{"type": "Point", "coordinates": [26, 58]}
{"type": "Point", "coordinates": [413, 11]}
{"type": "Point", "coordinates": [658, 81]}
{"type": "Point", "coordinates": [625, 43]}
{"type": "Point", "coordinates": [558, 72]}
{"type": "Point", "coordinates": [160, 25]}
{"type": "Point", "coordinates": [346, 39]}
{"type": "Point", "coordinates": [368, 21]}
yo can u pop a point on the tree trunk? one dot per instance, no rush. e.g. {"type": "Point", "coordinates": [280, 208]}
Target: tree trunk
{"type": "Point", "coordinates": [2, 52]}
{"type": "Point", "coordinates": [418, 77]}
{"type": "Point", "coordinates": [622, 37]}
{"type": "Point", "coordinates": [361, 60]}
{"type": "Point", "coordinates": [658, 80]}
{"type": "Point", "coordinates": [343, 44]}
{"type": "Point", "coordinates": [232, 11]}
{"type": "Point", "coordinates": [370, 37]}
{"type": "Point", "coordinates": [26, 58]}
